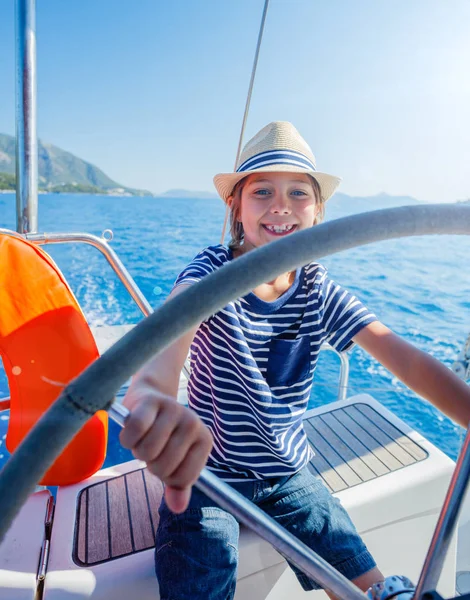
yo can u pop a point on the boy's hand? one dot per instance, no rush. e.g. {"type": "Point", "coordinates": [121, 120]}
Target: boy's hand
{"type": "Point", "coordinates": [171, 439]}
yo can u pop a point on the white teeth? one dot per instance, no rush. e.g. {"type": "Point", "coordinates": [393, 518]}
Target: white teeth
{"type": "Point", "coordinates": [279, 228]}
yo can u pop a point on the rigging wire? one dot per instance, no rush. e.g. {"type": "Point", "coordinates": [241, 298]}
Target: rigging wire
{"type": "Point", "coordinates": [247, 106]}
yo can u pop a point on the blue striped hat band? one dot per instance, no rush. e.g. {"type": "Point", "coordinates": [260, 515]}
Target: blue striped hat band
{"type": "Point", "coordinates": [277, 157]}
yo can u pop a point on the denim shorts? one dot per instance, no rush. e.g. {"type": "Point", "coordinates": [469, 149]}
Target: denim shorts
{"type": "Point", "coordinates": [196, 554]}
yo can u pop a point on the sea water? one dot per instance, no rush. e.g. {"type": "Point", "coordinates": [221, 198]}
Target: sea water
{"type": "Point", "coordinates": [419, 287]}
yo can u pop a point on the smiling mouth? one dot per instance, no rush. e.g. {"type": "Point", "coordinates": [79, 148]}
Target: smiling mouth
{"type": "Point", "coordinates": [279, 230]}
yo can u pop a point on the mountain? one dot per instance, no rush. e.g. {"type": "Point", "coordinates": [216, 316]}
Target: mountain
{"type": "Point", "coordinates": [61, 171]}
{"type": "Point", "coordinates": [339, 205]}
{"type": "Point", "coordinates": [344, 205]}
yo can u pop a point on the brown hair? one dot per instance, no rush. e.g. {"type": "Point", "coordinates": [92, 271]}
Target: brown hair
{"type": "Point", "coordinates": [235, 202]}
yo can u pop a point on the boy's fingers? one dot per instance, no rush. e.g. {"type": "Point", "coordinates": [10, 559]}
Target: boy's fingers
{"type": "Point", "coordinates": [162, 430]}
{"type": "Point", "coordinates": [138, 423]}
{"type": "Point", "coordinates": [188, 470]}
{"type": "Point", "coordinates": [177, 443]}
{"type": "Point", "coordinates": [174, 443]}
{"type": "Point", "coordinates": [179, 467]}
{"type": "Point", "coordinates": [177, 499]}
{"type": "Point", "coordinates": [143, 415]}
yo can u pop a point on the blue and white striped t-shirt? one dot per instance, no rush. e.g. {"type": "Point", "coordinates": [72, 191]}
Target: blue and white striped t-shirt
{"type": "Point", "coordinates": [252, 366]}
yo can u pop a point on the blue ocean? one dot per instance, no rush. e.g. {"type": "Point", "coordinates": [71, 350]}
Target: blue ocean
{"type": "Point", "coordinates": [418, 287]}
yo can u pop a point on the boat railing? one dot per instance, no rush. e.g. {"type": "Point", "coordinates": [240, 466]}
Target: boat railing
{"type": "Point", "coordinates": [102, 244]}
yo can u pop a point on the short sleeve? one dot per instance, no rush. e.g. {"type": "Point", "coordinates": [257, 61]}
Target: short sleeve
{"type": "Point", "coordinates": [204, 263]}
{"type": "Point", "coordinates": [343, 315]}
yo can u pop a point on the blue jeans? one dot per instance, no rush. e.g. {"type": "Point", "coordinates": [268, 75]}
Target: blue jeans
{"type": "Point", "coordinates": [196, 554]}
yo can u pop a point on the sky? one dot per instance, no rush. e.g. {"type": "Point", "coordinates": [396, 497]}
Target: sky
{"type": "Point", "coordinates": [153, 92]}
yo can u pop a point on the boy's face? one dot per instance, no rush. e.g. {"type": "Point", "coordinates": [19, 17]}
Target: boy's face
{"type": "Point", "coordinates": [274, 205]}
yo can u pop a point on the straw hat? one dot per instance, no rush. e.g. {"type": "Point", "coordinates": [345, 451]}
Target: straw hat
{"type": "Point", "coordinates": [277, 147]}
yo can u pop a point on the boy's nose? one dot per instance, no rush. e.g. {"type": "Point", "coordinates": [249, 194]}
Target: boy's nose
{"type": "Point", "coordinates": [281, 205]}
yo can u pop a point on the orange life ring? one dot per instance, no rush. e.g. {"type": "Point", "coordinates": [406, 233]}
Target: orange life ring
{"type": "Point", "coordinates": [45, 342]}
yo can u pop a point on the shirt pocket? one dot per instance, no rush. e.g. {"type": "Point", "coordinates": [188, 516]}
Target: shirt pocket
{"type": "Point", "coordinates": [288, 361]}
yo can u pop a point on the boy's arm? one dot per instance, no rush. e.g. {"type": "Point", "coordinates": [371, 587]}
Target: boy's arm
{"type": "Point", "coordinates": [163, 371]}
{"type": "Point", "coordinates": [418, 370]}
{"type": "Point", "coordinates": [169, 437]}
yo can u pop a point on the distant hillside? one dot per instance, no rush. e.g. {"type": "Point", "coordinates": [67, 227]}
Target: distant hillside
{"type": "Point", "coordinates": [344, 205]}
{"type": "Point", "coordinates": [339, 205]}
{"type": "Point", "coordinates": [61, 171]}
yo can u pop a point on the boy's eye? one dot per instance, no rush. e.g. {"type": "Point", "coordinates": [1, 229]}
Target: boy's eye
{"type": "Point", "coordinates": [299, 193]}
{"type": "Point", "coordinates": [262, 192]}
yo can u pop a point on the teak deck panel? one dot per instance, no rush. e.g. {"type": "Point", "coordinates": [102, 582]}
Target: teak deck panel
{"type": "Point", "coordinates": [116, 517]}
{"type": "Point", "coordinates": [352, 445]}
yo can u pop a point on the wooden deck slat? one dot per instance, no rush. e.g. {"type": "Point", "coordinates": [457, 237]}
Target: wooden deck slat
{"type": "Point", "coordinates": [399, 437]}
{"type": "Point", "coordinates": [121, 541]}
{"type": "Point", "coordinates": [374, 464]}
{"type": "Point", "coordinates": [97, 526]}
{"type": "Point", "coordinates": [330, 433]}
{"type": "Point", "coordinates": [142, 525]}
{"type": "Point", "coordinates": [353, 444]}
{"type": "Point", "coordinates": [154, 489]}
{"type": "Point", "coordinates": [387, 442]}
{"type": "Point", "coordinates": [327, 473]}
{"type": "Point", "coordinates": [319, 444]}
{"type": "Point", "coordinates": [374, 447]}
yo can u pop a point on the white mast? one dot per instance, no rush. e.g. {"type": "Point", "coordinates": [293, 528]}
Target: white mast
{"type": "Point", "coordinates": [26, 133]}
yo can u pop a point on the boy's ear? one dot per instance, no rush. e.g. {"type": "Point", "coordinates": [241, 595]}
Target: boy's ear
{"type": "Point", "coordinates": [229, 204]}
